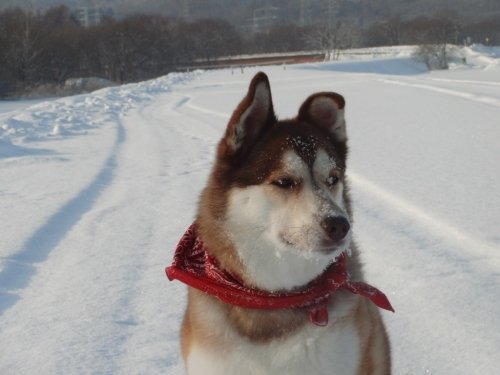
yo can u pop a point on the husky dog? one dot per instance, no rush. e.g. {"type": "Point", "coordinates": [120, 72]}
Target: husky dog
{"type": "Point", "coordinates": [274, 217]}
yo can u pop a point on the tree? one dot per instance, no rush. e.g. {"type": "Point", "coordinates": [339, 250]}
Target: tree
{"type": "Point", "coordinates": [60, 54]}
{"type": "Point", "coordinates": [281, 38]}
{"type": "Point", "coordinates": [331, 38]}
{"type": "Point", "coordinates": [485, 31]}
{"type": "Point", "coordinates": [434, 35]}
{"type": "Point", "coordinates": [22, 45]}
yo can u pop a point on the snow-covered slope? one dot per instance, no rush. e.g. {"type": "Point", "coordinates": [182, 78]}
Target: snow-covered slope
{"type": "Point", "coordinates": [95, 191]}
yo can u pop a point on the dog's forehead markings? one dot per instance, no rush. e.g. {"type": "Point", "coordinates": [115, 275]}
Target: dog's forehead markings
{"type": "Point", "coordinates": [294, 162]}
{"type": "Point", "coordinates": [324, 163]}
{"type": "Point", "coordinates": [303, 141]}
{"type": "Point", "coordinates": [304, 145]}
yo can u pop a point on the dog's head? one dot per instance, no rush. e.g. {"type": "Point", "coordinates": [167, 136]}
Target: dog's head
{"type": "Point", "coordinates": [275, 210]}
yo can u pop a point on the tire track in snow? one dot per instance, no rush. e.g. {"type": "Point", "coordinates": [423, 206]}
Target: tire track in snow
{"type": "Point", "coordinates": [196, 108]}
{"type": "Point", "coordinates": [464, 95]}
{"type": "Point", "coordinates": [431, 275]}
{"type": "Point", "coordinates": [437, 226]}
{"type": "Point", "coordinates": [200, 133]}
{"type": "Point", "coordinates": [210, 130]}
{"type": "Point", "coordinates": [151, 339]}
{"type": "Point", "coordinates": [20, 268]}
{"type": "Point", "coordinates": [467, 81]}
{"type": "Point", "coordinates": [434, 289]}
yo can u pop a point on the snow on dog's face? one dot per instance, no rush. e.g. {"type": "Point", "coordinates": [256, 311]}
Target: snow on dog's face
{"type": "Point", "coordinates": [278, 192]}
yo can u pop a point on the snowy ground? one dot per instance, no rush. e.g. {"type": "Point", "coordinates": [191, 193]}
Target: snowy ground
{"type": "Point", "coordinates": [96, 190]}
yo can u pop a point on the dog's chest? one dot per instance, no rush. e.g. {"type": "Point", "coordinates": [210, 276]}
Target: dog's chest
{"type": "Point", "coordinates": [312, 350]}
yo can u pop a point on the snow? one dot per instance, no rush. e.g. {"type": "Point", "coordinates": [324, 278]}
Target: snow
{"type": "Point", "coordinates": [97, 189]}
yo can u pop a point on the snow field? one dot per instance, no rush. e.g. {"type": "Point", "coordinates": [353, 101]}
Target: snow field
{"type": "Point", "coordinates": [97, 189]}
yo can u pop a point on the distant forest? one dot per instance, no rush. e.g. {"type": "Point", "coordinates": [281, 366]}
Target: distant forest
{"type": "Point", "coordinates": [241, 12]}
{"type": "Point", "coordinates": [51, 46]}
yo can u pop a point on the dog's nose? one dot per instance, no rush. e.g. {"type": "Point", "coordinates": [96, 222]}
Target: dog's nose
{"type": "Point", "coordinates": [336, 227]}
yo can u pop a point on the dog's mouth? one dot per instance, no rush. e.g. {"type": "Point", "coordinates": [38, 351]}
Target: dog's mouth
{"type": "Point", "coordinates": [328, 246]}
{"type": "Point", "coordinates": [324, 246]}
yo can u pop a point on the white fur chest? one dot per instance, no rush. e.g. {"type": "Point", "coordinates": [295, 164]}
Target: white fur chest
{"type": "Point", "coordinates": [312, 350]}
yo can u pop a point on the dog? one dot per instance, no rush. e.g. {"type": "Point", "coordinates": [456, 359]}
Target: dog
{"type": "Point", "coordinates": [270, 259]}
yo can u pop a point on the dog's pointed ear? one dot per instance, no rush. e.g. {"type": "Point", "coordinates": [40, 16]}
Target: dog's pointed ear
{"type": "Point", "coordinates": [326, 109]}
{"type": "Point", "coordinates": [254, 113]}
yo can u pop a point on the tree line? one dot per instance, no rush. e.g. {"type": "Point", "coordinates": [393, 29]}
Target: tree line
{"type": "Point", "coordinates": [52, 46]}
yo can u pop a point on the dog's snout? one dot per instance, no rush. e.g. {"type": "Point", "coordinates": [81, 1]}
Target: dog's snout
{"type": "Point", "coordinates": [336, 227]}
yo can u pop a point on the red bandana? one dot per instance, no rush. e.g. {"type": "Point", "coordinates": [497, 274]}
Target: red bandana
{"type": "Point", "coordinates": [195, 267]}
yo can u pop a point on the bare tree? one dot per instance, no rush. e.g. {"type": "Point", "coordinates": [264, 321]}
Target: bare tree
{"type": "Point", "coordinates": [485, 31]}
{"type": "Point", "coordinates": [330, 38]}
{"type": "Point", "coordinates": [393, 29]}
{"type": "Point", "coordinates": [23, 46]}
{"type": "Point", "coordinates": [435, 35]}
{"type": "Point", "coordinates": [61, 45]}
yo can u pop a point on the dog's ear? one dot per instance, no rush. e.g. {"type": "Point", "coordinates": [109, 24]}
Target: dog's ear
{"type": "Point", "coordinates": [325, 109]}
{"type": "Point", "coordinates": [251, 117]}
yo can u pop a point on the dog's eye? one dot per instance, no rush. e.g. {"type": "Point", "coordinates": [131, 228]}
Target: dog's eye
{"type": "Point", "coordinates": [332, 180]}
{"type": "Point", "coordinates": [285, 183]}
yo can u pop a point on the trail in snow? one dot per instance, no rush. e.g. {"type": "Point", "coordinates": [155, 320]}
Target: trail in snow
{"type": "Point", "coordinates": [435, 225]}
{"type": "Point", "coordinates": [99, 243]}
{"type": "Point", "coordinates": [461, 94]}
{"type": "Point", "coordinates": [20, 267]}
{"type": "Point", "coordinates": [96, 205]}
